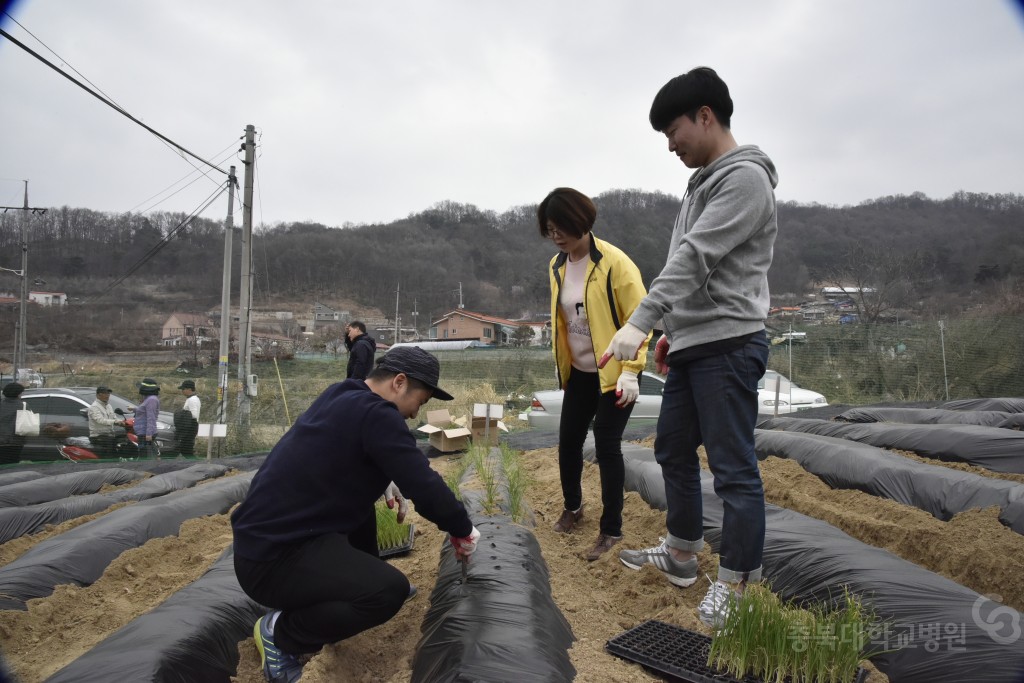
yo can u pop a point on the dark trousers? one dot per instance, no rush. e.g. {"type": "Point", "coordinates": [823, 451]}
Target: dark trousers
{"type": "Point", "coordinates": [583, 402]}
{"type": "Point", "coordinates": [186, 428]}
{"type": "Point", "coordinates": [328, 588]}
{"type": "Point", "coordinates": [714, 401]}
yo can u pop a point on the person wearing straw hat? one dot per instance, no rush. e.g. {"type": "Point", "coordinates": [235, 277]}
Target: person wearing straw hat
{"type": "Point", "coordinates": [305, 537]}
{"type": "Point", "coordinates": [145, 417]}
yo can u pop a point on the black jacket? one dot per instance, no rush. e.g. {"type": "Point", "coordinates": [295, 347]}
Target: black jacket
{"type": "Point", "coordinates": [326, 472]}
{"type": "Point", "coordinates": [360, 357]}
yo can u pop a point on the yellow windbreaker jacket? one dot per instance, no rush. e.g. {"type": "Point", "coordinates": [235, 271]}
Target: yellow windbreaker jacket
{"type": "Point", "coordinates": [612, 291]}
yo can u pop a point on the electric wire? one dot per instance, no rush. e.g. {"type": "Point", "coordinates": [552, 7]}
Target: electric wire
{"type": "Point", "coordinates": [222, 158]}
{"type": "Point", "coordinates": [105, 101]}
{"type": "Point", "coordinates": [204, 174]}
{"type": "Point", "coordinates": [65, 62]}
{"type": "Point", "coordinates": [165, 240]}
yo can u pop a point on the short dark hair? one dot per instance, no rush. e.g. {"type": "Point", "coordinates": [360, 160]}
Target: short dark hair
{"type": "Point", "coordinates": [383, 374]}
{"type": "Point", "coordinates": [687, 93]}
{"type": "Point", "coordinates": [571, 210]}
{"type": "Point", "coordinates": [13, 389]}
{"type": "Point", "coordinates": [358, 324]}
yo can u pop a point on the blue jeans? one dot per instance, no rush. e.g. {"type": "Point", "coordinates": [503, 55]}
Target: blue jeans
{"type": "Point", "coordinates": [714, 401]}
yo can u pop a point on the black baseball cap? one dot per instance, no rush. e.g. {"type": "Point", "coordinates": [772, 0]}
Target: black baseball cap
{"type": "Point", "coordinates": [188, 384]}
{"type": "Point", "coordinates": [417, 364]}
{"type": "Point", "coordinates": [102, 390]}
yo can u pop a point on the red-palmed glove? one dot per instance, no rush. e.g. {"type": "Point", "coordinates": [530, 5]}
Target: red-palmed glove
{"type": "Point", "coordinates": [393, 495]}
{"type": "Point", "coordinates": [465, 545]}
{"type": "Point", "coordinates": [661, 356]}
{"type": "Point", "coordinates": [627, 389]}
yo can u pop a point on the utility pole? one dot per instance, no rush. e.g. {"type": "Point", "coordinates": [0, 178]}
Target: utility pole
{"type": "Point", "coordinates": [398, 288]}
{"type": "Point", "coordinates": [460, 296]}
{"type": "Point", "coordinates": [225, 313]}
{"type": "Point", "coordinates": [20, 337]}
{"type": "Point", "coordinates": [416, 318]}
{"type": "Point", "coordinates": [21, 356]}
{"type": "Point", "coordinates": [245, 294]}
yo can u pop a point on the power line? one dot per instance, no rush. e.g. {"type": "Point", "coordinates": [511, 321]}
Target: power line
{"type": "Point", "coordinates": [105, 101]}
{"type": "Point", "coordinates": [164, 241]}
{"type": "Point", "coordinates": [204, 174]}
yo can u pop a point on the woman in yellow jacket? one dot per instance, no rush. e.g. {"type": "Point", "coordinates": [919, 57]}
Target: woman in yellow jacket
{"type": "Point", "coordinates": [594, 289]}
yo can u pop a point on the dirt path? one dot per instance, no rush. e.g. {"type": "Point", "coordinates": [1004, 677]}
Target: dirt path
{"type": "Point", "coordinates": [600, 599]}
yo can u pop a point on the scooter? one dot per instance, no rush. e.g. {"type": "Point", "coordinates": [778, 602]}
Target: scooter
{"type": "Point", "coordinates": [81, 448]}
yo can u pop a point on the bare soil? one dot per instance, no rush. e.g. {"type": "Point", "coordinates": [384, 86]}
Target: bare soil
{"type": "Point", "coordinates": [599, 599]}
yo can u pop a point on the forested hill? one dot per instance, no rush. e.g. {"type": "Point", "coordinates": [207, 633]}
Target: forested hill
{"type": "Point", "coordinates": [945, 249]}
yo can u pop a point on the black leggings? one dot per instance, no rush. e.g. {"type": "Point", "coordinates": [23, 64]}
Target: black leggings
{"type": "Point", "coordinates": [328, 588]}
{"type": "Point", "coordinates": [582, 403]}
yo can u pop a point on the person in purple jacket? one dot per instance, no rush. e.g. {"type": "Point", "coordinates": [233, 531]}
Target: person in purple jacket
{"type": "Point", "coordinates": [145, 418]}
{"type": "Point", "coordinates": [305, 537]}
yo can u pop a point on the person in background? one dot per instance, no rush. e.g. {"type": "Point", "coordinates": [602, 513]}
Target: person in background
{"type": "Point", "coordinates": [712, 297]}
{"type": "Point", "coordinates": [186, 420]}
{"type": "Point", "coordinates": [305, 537]}
{"type": "Point", "coordinates": [103, 423]}
{"type": "Point", "coordinates": [594, 288]}
{"type": "Point", "coordinates": [10, 443]}
{"type": "Point", "coordinates": [361, 348]}
{"type": "Point", "coordinates": [145, 418]}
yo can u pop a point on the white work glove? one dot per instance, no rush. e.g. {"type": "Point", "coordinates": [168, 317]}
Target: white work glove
{"type": "Point", "coordinates": [392, 494]}
{"type": "Point", "coordinates": [661, 356]}
{"type": "Point", "coordinates": [625, 344]}
{"type": "Point", "coordinates": [627, 388]}
{"type": "Point", "coordinates": [465, 546]}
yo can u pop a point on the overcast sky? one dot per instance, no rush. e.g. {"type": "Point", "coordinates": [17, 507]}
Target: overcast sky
{"type": "Point", "coordinates": [369, 111]}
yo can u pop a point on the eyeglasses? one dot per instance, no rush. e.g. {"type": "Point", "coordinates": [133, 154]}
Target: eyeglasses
{"type": "Point", "coordinates": [553, 234]}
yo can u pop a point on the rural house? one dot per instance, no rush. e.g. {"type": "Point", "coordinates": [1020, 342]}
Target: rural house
{"type": "Point", "coordinates": [487, 329]}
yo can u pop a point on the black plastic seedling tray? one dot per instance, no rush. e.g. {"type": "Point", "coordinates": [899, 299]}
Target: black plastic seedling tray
{"type": "Point", "coordinates": [399, 549]}
{"type": "Point", "coordinates": [678, 652]}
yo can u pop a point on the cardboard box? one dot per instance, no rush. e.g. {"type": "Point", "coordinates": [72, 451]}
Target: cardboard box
{"type": "Point", "coordinates": [443, 436]}
{"type": "Point", "coordinates": [486, 423]}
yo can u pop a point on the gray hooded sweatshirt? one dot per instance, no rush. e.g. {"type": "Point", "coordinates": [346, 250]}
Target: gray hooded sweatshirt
{"type": "Point", "coordinates": [714, 284]}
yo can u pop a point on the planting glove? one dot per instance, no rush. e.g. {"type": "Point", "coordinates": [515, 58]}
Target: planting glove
{"type": "Point", "coordinates": [625, 344]}
{"type": "Point", "coordinates": [391, 495]}
{"type": "Point", "coordinates": [661, 355]}
{"type": "Point", "coordinates": [627, 388]}
{"type": "Point", "coordinates": [466, 545]}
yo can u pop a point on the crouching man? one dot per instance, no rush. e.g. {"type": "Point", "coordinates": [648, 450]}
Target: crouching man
{"type": "Point", "coordinates": [306, 534]}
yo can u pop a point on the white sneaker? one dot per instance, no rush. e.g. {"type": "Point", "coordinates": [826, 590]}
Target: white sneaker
{"type": "Point", "coordinates": [715, 607]}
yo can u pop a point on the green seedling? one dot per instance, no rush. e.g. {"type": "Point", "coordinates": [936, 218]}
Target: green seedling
{"type": "Point", "coordinates": [777, 642]}
{"type": "Point", "coordinates": [390, 534]}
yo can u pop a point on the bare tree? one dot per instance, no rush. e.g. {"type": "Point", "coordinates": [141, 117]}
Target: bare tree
{"type": "Point", "coordinates": [877, 278]}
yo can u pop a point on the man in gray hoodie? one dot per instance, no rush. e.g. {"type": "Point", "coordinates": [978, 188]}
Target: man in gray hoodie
{"type": "Point", "coordinates": [712, 299]}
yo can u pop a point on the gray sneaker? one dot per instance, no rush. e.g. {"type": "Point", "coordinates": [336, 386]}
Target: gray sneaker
{"type": "Point", "coordinates": [715, 607]}
{"type": "Point", "coordinates": [679, 573]}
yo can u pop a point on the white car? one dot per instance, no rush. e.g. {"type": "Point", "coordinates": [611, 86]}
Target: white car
{"type": "Point", "coordinates": [791, 398]}
{"type": "Point", "coordinates": [545, 412]}
{"type": "Point", "coordinates": [546, 409]}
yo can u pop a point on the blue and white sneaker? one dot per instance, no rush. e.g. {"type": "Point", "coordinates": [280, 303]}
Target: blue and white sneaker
{"type": "Point", "coordinates": [278, 667]}
{"type": "Point", "coordinates": [681, 574]}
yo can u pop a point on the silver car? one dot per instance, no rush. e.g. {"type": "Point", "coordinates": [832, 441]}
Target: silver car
{"type": "Point", "coordinates": [547, 405]}
{"type": "Point", "coordinates": [546, 409]}
{"type": "Point", "coordinates": [69, 405]}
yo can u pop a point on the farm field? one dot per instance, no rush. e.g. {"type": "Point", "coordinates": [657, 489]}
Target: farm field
{"type": "Point", "coordinates": [599, 600]}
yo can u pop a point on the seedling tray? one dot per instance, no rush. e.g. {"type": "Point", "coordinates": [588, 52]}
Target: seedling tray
{"type": "Point", "coordinates": [678, 652]}
{"type": "Point", "coordinates": [400, 549]}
